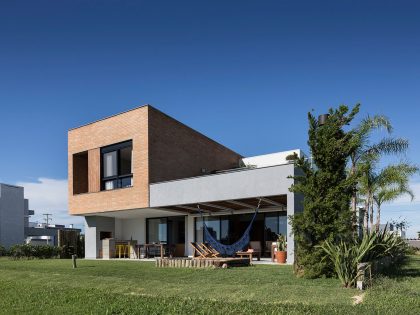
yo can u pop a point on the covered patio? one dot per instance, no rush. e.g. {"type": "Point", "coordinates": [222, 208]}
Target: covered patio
{"type": "Point", "coordinates": [227, 202]}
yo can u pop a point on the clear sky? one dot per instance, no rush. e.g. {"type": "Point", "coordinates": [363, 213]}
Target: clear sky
{"type": "Point", "coordinates": [242, 72]}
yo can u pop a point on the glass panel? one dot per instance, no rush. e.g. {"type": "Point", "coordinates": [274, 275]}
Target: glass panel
{"type": "Point", "coordinates": [125, 160]}
{"type": "Point", "coordinates": [176, 230]}
{"type": "Point", "coordinates": [126, 182]}
{"type": "Point", "coordinates": [213, 226]}
{"type": "Point", "coordinates": [156, 230]}
{"type": "Point", "coordinates": [199, 230]}
{"type": "Point", "coordinates": [110, 184]}
{"type": "Point", "coordinates": [283, 224]}
{"type": "Point", "coordinates": [271, 226]}
{"type": "Point", "coordinates": [224, 233]}
{"type": "Point", "coordinates": [110, 164]}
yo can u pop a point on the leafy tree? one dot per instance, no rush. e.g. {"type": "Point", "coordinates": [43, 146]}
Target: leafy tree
{"type": "Point", "coordinates": [384, 186]}
{"type": "Point", "coordinates": [362, 146]}
{"type": "Point", "coordinates": [364, 152]}
{"type": "Point", "coordinates": [391, 183]}
{"type": "Point", "coordinates": [326, 189]}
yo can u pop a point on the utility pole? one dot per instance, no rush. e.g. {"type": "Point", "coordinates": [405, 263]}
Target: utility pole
{"type": "Point", "coordinates": [47, 218]}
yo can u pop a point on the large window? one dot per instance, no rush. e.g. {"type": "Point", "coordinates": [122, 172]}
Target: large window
{"type": "Point", "coordinates": [275, 223]}
{"type": "Point", "coordinates": [168, 230]}
{"type": "Point", "coordinates": [157, 230]}
{"type": "Point", "coordinates": [230, 228]}
{"type": "Point", "coordinates": [117, 166]}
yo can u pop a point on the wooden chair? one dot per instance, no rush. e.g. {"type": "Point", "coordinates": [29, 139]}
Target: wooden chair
{"type": "Point", "coordinates": [199, 250]}
{"type": "Point", "coordinates": [256, 247]}
{"type": "Point", "coordinates": [210, 250]}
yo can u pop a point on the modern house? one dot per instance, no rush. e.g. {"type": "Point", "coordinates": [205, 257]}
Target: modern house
{"type": "Point", "coordinates": [141, 175]}
{"type": "Point", "coordinates": [14, 215]}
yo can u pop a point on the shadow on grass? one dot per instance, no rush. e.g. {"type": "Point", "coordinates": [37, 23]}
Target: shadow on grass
{"type": "Point", "coordinates": [405, 269]}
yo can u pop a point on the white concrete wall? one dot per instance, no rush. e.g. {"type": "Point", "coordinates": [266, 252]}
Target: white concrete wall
{"type": "Point", "coordinates": [251, 183]}
{"type": "Point", "coordinates": [134, 229]}
{"type": "Point", "coordinates": [271, 159]}
{"type": "Point", "coordinates": [93, 226]}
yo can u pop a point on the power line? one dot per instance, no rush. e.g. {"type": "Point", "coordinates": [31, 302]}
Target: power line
{"type": "Point", "coordinates": [47, 218]}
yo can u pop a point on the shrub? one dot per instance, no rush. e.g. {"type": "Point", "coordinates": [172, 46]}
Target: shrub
{"type": "Point", "coordinates": [345, 256]}
{"type": "Point", "coordinates": [3, 251]}
{"type": "Point", "coordinates": [28, 251]}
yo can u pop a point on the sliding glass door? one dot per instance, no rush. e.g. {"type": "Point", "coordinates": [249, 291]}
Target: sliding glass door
{"type": "Point", "coordinates": [167, 230]}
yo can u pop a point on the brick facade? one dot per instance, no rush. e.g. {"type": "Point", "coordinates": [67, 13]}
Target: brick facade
{"type": "Point", "coordinates": [131, 125]}
{"type": "Point", "coordinates": [177, 151]}
{"type": "Point", "coordinates": [163, 149]}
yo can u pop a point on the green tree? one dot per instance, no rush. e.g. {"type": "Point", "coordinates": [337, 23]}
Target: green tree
{"type": "Point", "coordinates": [364, 150]}
{"type": "Point", "coordinates": [362, 147]}
{"type": "Point", "coordinates": [391, 183]}
{"type": "Point", "coordinates": [383, 186]}
{"type": "Point", "coordinates": [326, 189]}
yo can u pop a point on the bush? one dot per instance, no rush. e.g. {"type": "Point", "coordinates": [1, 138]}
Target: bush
{"type": "Point", "coordinates": [28, 251]}
{"type": "Point", "coordinates": [3, 251]}
{"type": "Point", "coordinates": [374, 247]}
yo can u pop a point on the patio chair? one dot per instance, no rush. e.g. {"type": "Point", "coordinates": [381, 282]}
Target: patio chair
{"type": "Point", "coordinates": [199, 250]}
{"type": "Point", "coordinates": [212, 252]}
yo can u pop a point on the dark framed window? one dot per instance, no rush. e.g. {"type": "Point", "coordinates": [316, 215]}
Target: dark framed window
{"type": "Point", "coordinates": [165, 230]}
{"type": "Point", "coordinates": [116, 166]}
{"type": "Point", "coordinates": [229, 228]}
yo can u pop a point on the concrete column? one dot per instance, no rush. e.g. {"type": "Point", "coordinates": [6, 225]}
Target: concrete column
{"type": "Point", "coordinates": [93, 226]}
{"type": "Point", "coordinates": [189, 237]}
{"type": "Point", "coordinates": [294, 205]}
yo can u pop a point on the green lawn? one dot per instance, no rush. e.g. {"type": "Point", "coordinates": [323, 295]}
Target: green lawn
{"type": "Point", "coordinates": [125, 287]}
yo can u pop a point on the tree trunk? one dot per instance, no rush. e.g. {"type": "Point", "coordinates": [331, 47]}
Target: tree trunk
{"type": "Point", "coordinates": [378, 217]}
{"type": "Point", "coordinates": [354, 198]}
{"type": "Point", "coordinates": [371, 212]}
{"type": "Point", "coordinates": [367, 214]}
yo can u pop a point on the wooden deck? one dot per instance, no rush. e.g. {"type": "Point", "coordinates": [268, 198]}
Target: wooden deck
{"type": "Point", "coordinates": [201, 262]}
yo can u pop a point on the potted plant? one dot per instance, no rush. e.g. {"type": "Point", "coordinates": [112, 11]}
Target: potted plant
{"type": "Point", "coordinates": [281, 252]}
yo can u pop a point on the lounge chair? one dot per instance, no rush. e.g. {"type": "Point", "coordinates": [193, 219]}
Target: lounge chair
{"type": "Point", "coordinates": [210, 249]}
{"type": "Point", "coordinates": [197, 249]}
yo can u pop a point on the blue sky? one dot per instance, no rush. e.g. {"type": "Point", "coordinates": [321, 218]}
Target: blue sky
{"type": "Point", "coordinates": [242, 72]}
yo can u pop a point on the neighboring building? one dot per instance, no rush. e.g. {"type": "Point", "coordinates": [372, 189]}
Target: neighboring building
{"type": "Point", "coordinates": [14, 215]}
{"type": "Point", "coordinates": [140, 175]}
{"type": "Point", "coordinates": [43, 234]}
{"type": "Point", "coordinates": [392, 229]}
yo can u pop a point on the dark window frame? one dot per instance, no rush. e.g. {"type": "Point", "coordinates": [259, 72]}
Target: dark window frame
{"type": "Point", "coordinates": [220, 222]}
{"type": "Point", "coordinates": [119, 177]}
{"type": "Point", "coordinates": [167, 227]}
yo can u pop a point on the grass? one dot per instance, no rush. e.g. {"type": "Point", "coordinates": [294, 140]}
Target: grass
{"type": "Point", "coordinates": [124, 287]}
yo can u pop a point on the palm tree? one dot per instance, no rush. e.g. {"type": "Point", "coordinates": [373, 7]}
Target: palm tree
{"type": "Point", "coordinates": [391, 183]}
{"type": "Point", "coordinates": [362, 147]}
{"type": "Point", "coordinates": [364, 154]}
{"type": "Point", "coordinates": [366, 186]}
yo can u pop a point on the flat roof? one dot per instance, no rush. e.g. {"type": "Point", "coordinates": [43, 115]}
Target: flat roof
{"type": "Point", "coordinates": [107, 117]}
{"type": "Point", "coordinates": [9, 185]}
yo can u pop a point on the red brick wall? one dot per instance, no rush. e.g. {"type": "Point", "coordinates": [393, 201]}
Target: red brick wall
{"type": "Point", "coordinates": [94, 170]}
{"type": "Point", "coordinates": [177, 151]}
{"type": "Point", "coordinates": [131, 125]}
{"type": "Point", "coordinates": [163, 149]}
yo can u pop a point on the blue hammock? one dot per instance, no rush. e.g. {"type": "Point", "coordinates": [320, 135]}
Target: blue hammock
{"type": "Point", "coordinates": [229, 250]}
